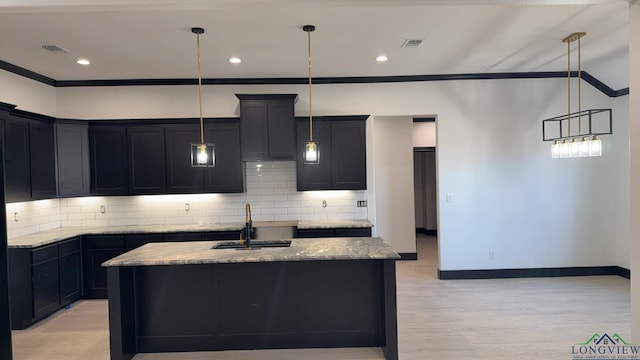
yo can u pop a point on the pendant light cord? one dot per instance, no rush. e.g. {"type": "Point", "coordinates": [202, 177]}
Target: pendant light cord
{"type": "Point", "coordinates": [200, 90]}
{"type": "Point", "coordinates": [579, 90]}
{"type": "Point", "coordinates": [569, 87]}
{"type": "Point", "coordinates": [310, 104]}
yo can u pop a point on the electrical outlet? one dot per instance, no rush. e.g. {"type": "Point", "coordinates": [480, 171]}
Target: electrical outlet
{"type": "Point", "coordinates": [492, 255]}
{"type": "Point", "coordinates": [449, 197]}
{"type": "Point", "coordinates": [15, 216]}
{"type": "Point", "coordinates": [362, 203]}
{"type": "Point", "coordinates": [187, 207]}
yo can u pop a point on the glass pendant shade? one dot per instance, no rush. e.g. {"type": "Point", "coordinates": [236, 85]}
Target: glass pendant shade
{"type": "Point", "coordinates": [311, 153]}
{"type": "Point", "coordinates": [573, 148]}
{"type": "Point", "coordinates": [555, 150]}
{"type": "Point", "coordinates": [595, 147]}
{"type": "Point", "coordinates": [583, 147]}
{"type": "Point", "coordinates": [564, 149]}
{"type": "Point", "coordinates": [203, 155]}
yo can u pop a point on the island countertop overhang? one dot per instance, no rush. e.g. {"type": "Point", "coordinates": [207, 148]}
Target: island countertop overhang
{"type": "Point", "coordinates": [201, 252]}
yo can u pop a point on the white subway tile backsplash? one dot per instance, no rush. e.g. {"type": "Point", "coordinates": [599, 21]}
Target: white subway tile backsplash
{"type": "Point", "coordinates": [271, 191]}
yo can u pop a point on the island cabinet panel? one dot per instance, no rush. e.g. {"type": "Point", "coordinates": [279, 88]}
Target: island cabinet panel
{"type": "Point", "coordinates": [147, 163]}
{"type": "Point", "coordinates": [42, 280]}
{"type": "Point", "coordinates": [249, 306]}
{"type": "Point", "coordinates": [72, 159]}
{"type": "Point", "coordinates": [335, 232]}
{"type": "Point", "coordinates": [267, 127]}
{"type": "Point", "coordinates": [257, 300]}
{"type": "Point", "coordinates": [172, 314]}
{"type": "Point", "coordinates": [342, 146]}
{"type": "Point", "coordinates": [96, 250]}
{"type": "Point", "coordinates": [109, 163]}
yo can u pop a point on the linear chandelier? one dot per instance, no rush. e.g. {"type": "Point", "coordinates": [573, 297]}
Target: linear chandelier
{"type": "Point", "coordinates": [583, 141]}
{"type": "Point", "coordinates": [202, 154]}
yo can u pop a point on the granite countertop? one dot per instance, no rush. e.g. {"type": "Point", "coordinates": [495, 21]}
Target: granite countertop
{"type": "Point", "coordinates": [51, 236]}
{"type": "Point", "coordinates": [332, 224]}
{"type": "Point", "coordinates": [200, 252]}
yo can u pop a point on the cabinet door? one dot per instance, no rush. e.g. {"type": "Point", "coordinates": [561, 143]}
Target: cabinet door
{"type": "Point", "coordinates": [17, 174]}
{"type": "Point", "coordinates": [227, 176]}
{"type": "Point", "coordinates": [45, 288]}
{"type": "Point", "coordinates": [254, 130]}
{"type": "Point", "coordinates": [281, 126]}
{"type": "Point", "coordinates": [147, 165]}
{"type": "Point", "coordinates": [42, 160]}
{"type": "Point", "coordinates": [108, 151]}
{"type": "Point", "coordinates": [96, 250]}
{"type": "Point", "coordinates": [348, 155]}
{"type": "Point", "coordinates": [72, 159]}
{"type": "Point", "coordinates": [70, 269]}
{"type": "Point", "coordinates": [182, 178]}
{"type": "Point", "coordinates": [314, 176]}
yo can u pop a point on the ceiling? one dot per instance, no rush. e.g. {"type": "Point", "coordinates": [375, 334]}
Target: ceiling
{"type": "Point", "coordinates": [151, 39]}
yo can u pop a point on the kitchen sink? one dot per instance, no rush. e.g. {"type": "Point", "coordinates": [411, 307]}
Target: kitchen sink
{"type": "Point", "coordinates": [255, 244]}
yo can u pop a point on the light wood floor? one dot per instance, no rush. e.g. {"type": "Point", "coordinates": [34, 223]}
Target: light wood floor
{"type": "Point", "coordinates": [455, 319]}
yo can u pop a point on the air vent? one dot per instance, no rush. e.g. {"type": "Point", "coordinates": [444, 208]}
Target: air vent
{"type": "Point", "coordinates": [412, 43]}
{"type": "Point", "coordinates": [55, 49]}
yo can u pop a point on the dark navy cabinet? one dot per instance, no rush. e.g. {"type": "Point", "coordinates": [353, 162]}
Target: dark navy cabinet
{"type": "Point", "coordinates": [42, 280]}
{"type": "Point", "coordinates": [147, 165]}
{"type": "Point", "coordinates": [267, 126]}
{"type": "Point", "coordinates": [72, 159]}
{"type": "Point", "coordinates": [108, 158]}
{"type": "Point", "coordinates": [29, 157]}
{"type": "Point", "coordinates": [342, 146]}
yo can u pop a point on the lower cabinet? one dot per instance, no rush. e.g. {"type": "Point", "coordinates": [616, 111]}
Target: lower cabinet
{"type": "Point", "coordinates": [97, 249]}
{"type": "Point", "coordinates": [336, 232]}
{"type": "Point", "coordinates": [100, 248]}
{"type": "Point", "coordinates": [43, 280]}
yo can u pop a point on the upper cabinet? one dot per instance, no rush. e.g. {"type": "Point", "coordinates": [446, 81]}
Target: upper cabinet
{"type": "Point", "coordinates": [155, 158]}
{"type": "Point", "coordinates": [226, 176]}
{"type": "Point", "coordinates": [29, 157]}
{"type": "Point", "coordinates": [267, 126]}
{"type": "Point", "coordinates": [72, 159]}
{"type": "Point", "coordinates": [147, 165]}
{"type": "Point", "coordinates": [109, 163]}
{"type": "Point", "coordinates": [342, 145]}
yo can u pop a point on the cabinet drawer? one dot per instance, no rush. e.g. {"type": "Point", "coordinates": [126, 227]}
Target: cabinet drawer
{"type": "Point", "coordinates": [69, 246]}
{"type": "Point", "coordinates": [186, 236]}
{"type": "Point", "coordinates": [353, 232]}
{"type": "Point", "coordinates": [43, 254]}
{"type": "Point", "coordinates": [104, 242]}
{"type": "Point", "coordinates": [134, 241]}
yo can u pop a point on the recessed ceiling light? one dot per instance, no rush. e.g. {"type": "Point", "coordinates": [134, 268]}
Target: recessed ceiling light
{"type": "Point", "coordinates": [382, 58]}
{"type": "Point", "coordinates": [235, 60]}
{"type": "Point", "coordinates": [83, 61]}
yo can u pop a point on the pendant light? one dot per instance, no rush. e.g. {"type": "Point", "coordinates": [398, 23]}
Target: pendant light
{"type": "Point", "coordinates": [202, 154]}
{"type": "Point", "coordinates": [582, 144]}
{"type": "Point", "coordinates": [311, 151]}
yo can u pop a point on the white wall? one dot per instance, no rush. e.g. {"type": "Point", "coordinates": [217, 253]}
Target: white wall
{"type": "Point", "coordinates": [509, 196]}
{"type": "Point", "coordinates": [634, 131]}
{"type": "Point", "coordinates": [28, 94]}
{"type": "Point", "coordinates": [424, 134]}
{"type": "Point", "coordinates": [393, 172]}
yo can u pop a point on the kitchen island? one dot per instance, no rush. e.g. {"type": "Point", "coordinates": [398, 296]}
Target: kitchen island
{"type": "Point", "coordinates": [328, 292]}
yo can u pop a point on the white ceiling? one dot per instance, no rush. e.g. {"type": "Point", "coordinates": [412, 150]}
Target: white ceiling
{"type": "Point", "coordinates": [142, 39]}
